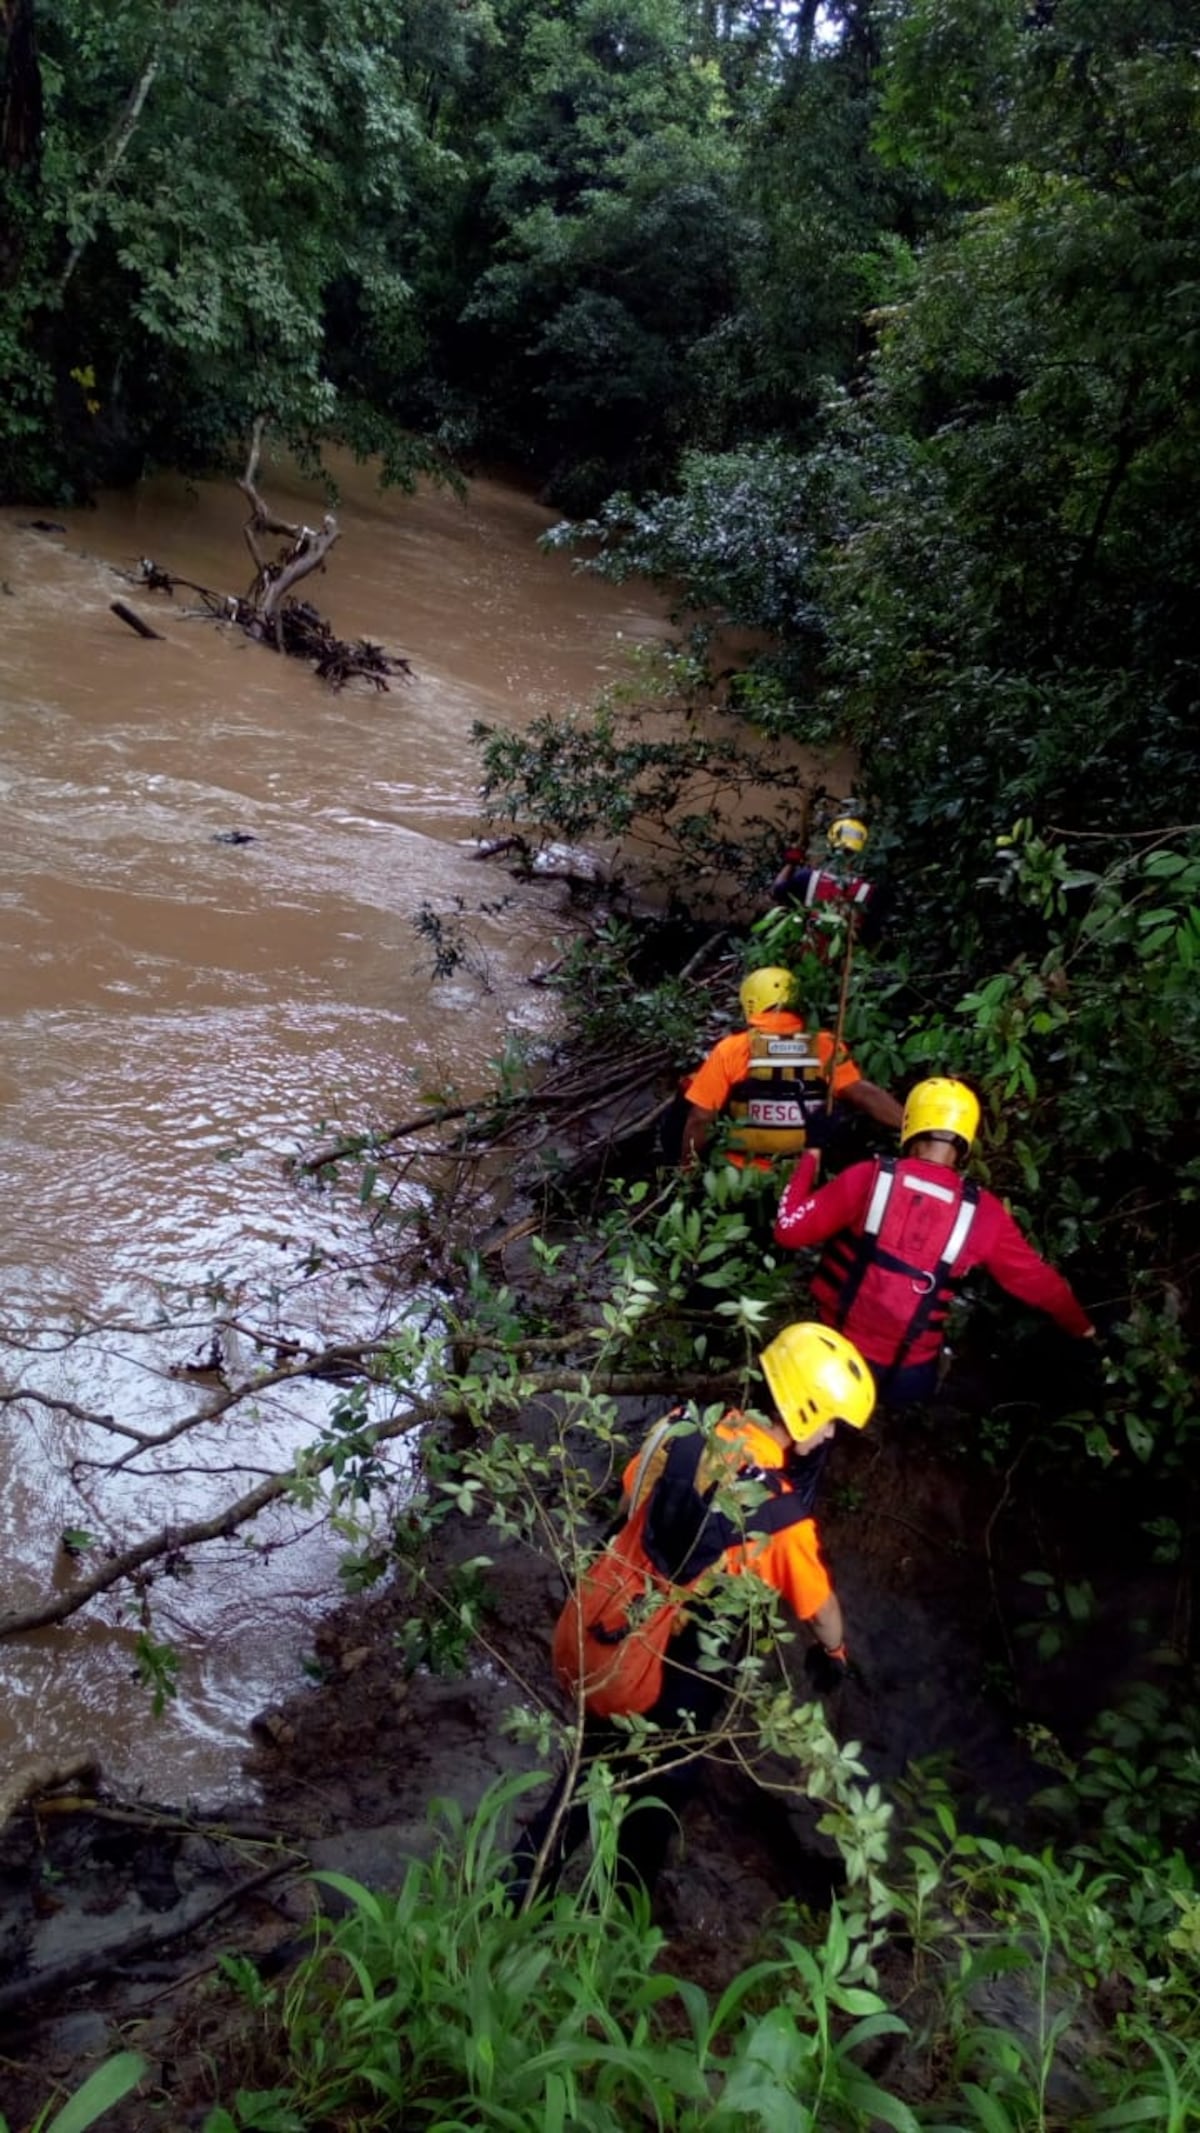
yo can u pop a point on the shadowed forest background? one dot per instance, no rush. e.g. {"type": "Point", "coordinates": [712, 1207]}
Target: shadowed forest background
{"type": "Point", "coordinates": [872, 333]}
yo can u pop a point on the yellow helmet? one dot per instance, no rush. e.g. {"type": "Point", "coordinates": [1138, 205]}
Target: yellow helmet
{"type": "Point", "coordinates": [942, 1107]}
{"type": "Point", "coordinates": [764, 990]}
{"type": "Point", "coordinates": [816, 1376]}
{"type": "Point", "coordinates": [847, 834]}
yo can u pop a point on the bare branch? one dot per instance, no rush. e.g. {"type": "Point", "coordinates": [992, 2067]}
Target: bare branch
{"type": "Point", "coordinates": [173, 1540]}
{"type": "Point", "coordinates": [306, 551]}
{"type": "Point", "coordinates": [114, 154]}
{"type": "Point", "coordinates": [20, 1394]}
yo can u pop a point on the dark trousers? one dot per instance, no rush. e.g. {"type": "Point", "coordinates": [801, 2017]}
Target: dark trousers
{"type": "Point", "coordinates": [659, 1793]}
{"type": "Point", "coordinates": [913, 1385]}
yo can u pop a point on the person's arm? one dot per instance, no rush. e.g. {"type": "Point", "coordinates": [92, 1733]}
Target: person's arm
{"type": "Point", "coordinates": [850, 1087]}
{"type": "Point", "coordinates": [827, 1662]}
{"type": "Point", "coordinates": [877, 1103]}
{"type": "Point", "coordinates": [794, 1565]}
{"type": "Point", "coordinates": [697, 1127]}
{"type": "Point", "coordinates": [707, 1091]}
{"type": "Point", "coordinates": [803, 1178]}
{"type": "Point", "coordinates": [828, 1627]}
{"type": "Point", "coordinates": [1011, 1260]}
{"type": "Point", "coordinates": [808, 1217]}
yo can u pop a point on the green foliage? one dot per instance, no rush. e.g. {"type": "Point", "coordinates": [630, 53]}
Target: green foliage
{"type": "Point", "coordinates": [606, 1003]}
{"type": "Point", "coordinates": [1134, 1794]}
{"type": "Point", "coordinates": [612, 235]}
{"type": "Point", "coordinates": [1013, 1944]}
{"type": "Point", "coordinates": [442, 1636]}
{"type": "Point", "coordinates": [1010, 608]}
{"type": "Point", "coordinates": [684, 802]}
{"type": "Point", "coordinates": [693, 1281]}
{"type": "Point", "coordinates": [585, 240]}
{"type": "Point", "coordinates": [100, 2093]}
{"type": "Point", "coordinates": [76, 1540]}
{"type": "Point", "coordinates": [440, 2004]}
{"type": "Point", "coordinates": [739, 530]}
{"type": "Point", "coordinates": [355, 1464]}
{"type": "Point", "coordinates": [1067, 1604]}
{"type": "Point", "coordinates": [157, 1668]}
{"type": "Point", "coordinates": [191, 242]}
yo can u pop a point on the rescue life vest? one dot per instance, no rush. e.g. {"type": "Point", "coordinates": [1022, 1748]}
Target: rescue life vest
{"type": "Point", "coordinates": [809, 886]}
{"type": "Point", "coordinates": [825, 888]}
{"type": "Point", "coordinates": [614, 1631]}
{"type": "Point", "coordinates": [872, 1283]}
{"type": "Point", "coordinates": [783, 1086]}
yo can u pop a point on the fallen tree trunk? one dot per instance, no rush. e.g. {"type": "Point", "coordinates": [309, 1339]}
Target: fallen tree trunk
{"type": "Point", "coordinates": [267, 612]}
{"type": "Point", "coordinates": [306, 551]}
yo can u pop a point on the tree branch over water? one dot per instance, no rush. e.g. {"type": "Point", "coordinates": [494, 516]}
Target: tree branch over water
{"type": "Point", "coordinates": [172, 1540]}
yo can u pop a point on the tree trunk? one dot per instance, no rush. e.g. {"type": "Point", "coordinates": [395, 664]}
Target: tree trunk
{"type": "Point", "coordinates": [306, 553]}
{"type": "Point", "coordinates": [131, 616]}
{"type": "Point", "coordinates": [20, 129]}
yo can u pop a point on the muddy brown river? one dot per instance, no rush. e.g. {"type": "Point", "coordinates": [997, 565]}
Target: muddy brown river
{"type": "Point", "coordinates": [180, 1014]}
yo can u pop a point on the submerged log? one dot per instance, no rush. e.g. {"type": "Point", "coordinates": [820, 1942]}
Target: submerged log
{"type": "Point", "coordinates": [131, 616]}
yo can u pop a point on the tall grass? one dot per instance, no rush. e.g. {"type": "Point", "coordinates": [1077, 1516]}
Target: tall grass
{"type": "Point", "coordinates": [437, 2010]}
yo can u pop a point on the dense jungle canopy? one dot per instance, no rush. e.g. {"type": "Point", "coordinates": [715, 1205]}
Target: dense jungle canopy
{"type": "Point", "coordinates": [872, 332]}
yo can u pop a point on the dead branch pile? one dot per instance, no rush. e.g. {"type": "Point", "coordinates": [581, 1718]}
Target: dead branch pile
{"type": "Point", "coordinates": [295, 628]}
{"type": "Point", "coordinates": [266, 611]}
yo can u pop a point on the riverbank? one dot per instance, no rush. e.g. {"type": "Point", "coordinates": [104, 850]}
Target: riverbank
{"type": "Point", "coordinates": [127, 1923]}
{"type": "Point", "coordinates": [343, 1775]}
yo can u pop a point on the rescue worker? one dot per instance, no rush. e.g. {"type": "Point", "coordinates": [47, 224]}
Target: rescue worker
{"type": "Point", "coordinates": [804, 886]}
{"type": "Point", "coordinates": [900, 1236]}
{"type": "Point", "coordinates": [628, 1638]}
{"type": "Point", "coordinates": [771, 1080]}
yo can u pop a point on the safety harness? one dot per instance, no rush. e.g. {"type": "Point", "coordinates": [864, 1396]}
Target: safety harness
{"type": "Point", "coordinates": [870, 1270]}
{"type": "Point", "coordinates": [685, 1535]}
{"type": "Point", "coordinates": [616, 1628]}
{"type": "Point", "coordinates": [784, 1084]}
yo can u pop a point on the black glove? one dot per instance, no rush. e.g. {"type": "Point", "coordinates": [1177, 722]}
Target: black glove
{"type": "Point", "coordinates": [826, 1670]}
{"type": "Point", "coordinates": [820, 1128]}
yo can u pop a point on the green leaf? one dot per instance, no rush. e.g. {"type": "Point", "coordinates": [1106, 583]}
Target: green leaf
{"type": "Point", "coordinates": [991, 2115]}
{"type": "Point", "coordinates": [106, 2087]}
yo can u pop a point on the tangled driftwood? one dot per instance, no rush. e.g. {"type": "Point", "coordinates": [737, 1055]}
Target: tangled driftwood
{"type": "Point", "coordinates": [266, 611]}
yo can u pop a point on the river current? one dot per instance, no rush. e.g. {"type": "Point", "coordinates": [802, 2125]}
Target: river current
{"type": "Point", "coordinates": [213, 866]}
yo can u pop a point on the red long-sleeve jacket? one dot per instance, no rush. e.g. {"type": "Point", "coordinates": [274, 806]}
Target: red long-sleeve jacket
{"type": "Point", "coordinates": [873, 1324]}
